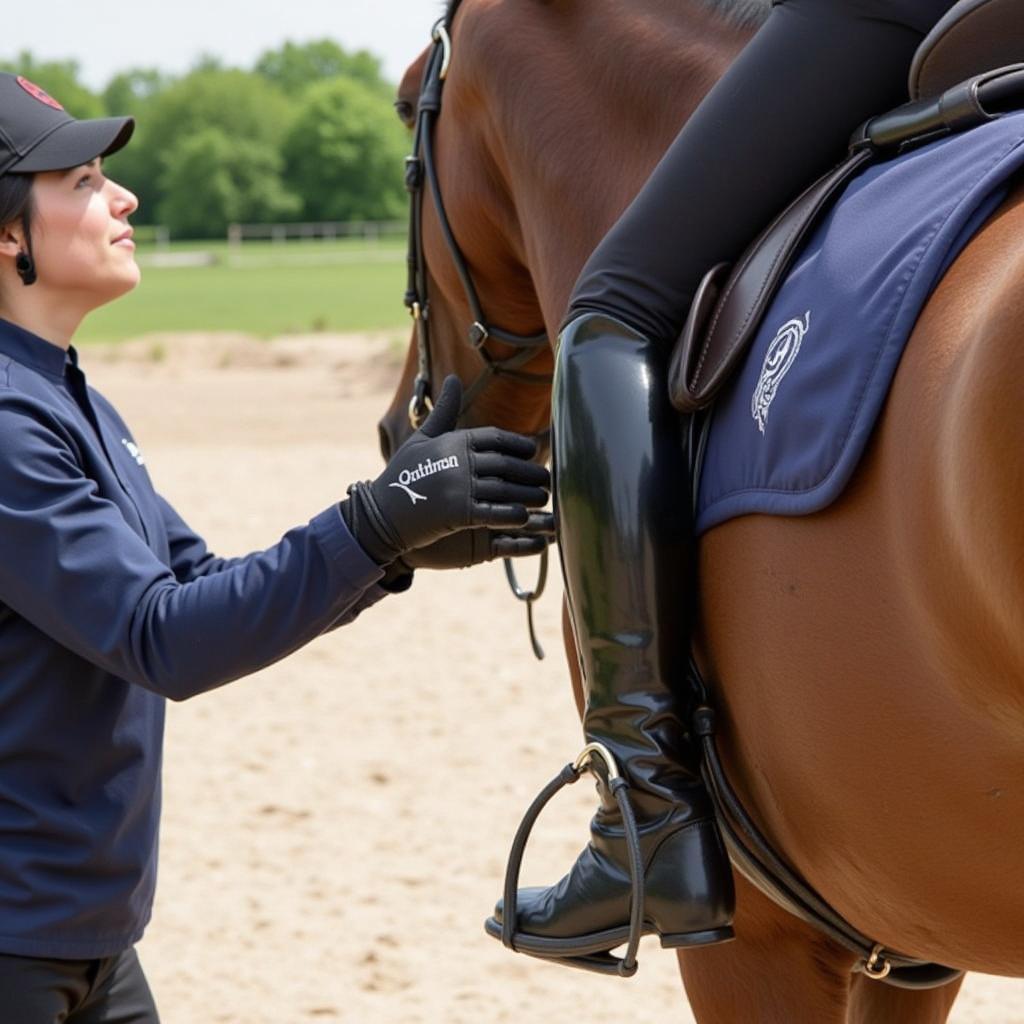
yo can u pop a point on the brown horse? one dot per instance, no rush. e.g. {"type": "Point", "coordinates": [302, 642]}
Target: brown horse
{"type": "Point", "coordinates": [869, 659]}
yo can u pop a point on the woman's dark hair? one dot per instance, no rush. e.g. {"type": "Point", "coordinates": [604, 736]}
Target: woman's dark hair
{"type": "Point", "coordinates": [16, 203]}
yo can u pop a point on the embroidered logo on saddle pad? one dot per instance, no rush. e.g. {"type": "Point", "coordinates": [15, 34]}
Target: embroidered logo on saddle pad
{"type": "Point", "coordinates": [781, 355]}
{"type": "Point", "coordinates": [866, 272]}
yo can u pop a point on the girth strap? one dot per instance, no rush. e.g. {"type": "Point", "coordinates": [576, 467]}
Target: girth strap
{"type": "Point", "coordinates": [755, 857]}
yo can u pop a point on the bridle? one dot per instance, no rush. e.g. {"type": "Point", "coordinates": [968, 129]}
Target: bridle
{"type": "Point", "coordinates": [420, 167]}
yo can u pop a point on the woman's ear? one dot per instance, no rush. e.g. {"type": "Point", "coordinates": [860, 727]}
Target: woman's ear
{"type": "Point", "coordinates": [11, 240]}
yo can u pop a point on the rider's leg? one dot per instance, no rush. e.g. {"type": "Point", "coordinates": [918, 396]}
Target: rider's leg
{"type": "Point", "coordinates": [778, 119]}
{"type": "Point", "coordinates": [813, 72]}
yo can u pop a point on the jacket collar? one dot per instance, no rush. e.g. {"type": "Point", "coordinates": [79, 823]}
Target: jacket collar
{"type": "Point", "coordinates": [29, 349]}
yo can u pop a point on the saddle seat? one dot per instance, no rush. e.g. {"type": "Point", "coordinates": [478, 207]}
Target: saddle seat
{"type": "Point", "coordinates": [968, 70]}
{"type": "Point", "coordinates": [973, 36]}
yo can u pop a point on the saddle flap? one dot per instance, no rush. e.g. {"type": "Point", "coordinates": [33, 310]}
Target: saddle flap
{"type": "Point", "coordinates": [972, 37]}
{"type": "Point", "coordinates": [718, 330]}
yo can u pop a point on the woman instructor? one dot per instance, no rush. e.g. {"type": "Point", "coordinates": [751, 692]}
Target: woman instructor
{"type": "Point", "coordinates": [109, 603]}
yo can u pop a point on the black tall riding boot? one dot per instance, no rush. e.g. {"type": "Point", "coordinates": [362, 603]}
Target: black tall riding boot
{"type": "Point", "coordinates": [623, 503]}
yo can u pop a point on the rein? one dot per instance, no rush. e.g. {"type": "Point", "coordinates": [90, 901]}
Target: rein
{"type": "Point", "coordinates": [420, 167]}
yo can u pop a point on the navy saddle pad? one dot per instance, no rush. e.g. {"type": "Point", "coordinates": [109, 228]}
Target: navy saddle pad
{"type": "Point", "coordinates": [787, 432]}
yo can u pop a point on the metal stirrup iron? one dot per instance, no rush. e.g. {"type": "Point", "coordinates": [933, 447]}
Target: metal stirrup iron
{"type": "Point", "coordinates": [604, 963]}
{"type": "Point", "coordinates": [529, 596]}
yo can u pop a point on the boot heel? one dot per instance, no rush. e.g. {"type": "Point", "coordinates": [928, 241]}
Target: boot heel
{"type": "Point", "coordinates": [689, 887]}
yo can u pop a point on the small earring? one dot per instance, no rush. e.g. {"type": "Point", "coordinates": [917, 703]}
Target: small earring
{"type": "Point", "coordinates": [26, 267]}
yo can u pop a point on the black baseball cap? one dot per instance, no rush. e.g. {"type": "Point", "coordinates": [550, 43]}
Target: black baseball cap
{"type": "Point", "coordinates": [38, 134]}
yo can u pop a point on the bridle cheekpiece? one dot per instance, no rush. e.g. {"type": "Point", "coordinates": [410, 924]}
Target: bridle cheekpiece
{"type": "Point", "coordinates": [420, 169]}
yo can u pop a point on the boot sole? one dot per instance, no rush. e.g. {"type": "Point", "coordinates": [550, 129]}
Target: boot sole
{"type": "Point", "coordinates": [602, 942]}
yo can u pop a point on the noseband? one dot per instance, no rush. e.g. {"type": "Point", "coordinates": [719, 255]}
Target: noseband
{"type": "Point", "coordinates": [420, 167]}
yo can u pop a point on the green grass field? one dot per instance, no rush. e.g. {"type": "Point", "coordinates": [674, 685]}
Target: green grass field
{"type": "Point", "coordinates": [264, 290]}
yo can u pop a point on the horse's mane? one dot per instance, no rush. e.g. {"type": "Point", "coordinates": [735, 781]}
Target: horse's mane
{"type": "Point", "coordinates": [739, 12]}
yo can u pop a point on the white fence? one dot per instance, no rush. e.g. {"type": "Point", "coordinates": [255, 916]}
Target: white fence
{"type": "Point", "coordinates": [288, 245]}
{"type": "Point", "coordinates": [328, 231]}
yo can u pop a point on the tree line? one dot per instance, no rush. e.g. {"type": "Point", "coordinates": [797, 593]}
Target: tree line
{"type": "Point", "coordinates": [308, 134]}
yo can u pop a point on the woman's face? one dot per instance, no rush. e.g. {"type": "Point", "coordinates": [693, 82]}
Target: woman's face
{"type": "Point", "coordinates": [81, 239]}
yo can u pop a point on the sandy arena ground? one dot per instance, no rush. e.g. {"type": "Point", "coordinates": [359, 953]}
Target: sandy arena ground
{"type": "Point", "coordinates": [335, 827]}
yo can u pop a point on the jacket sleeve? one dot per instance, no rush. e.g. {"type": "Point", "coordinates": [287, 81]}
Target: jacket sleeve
{"type": "Point", "coordinates": [72, 566]}
{"type": "Point", "coordinates": [190, 558]}
{"type": "Point", "coordinates": [391, 583]}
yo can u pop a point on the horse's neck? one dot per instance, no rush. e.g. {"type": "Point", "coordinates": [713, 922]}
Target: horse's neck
{"type": "Point", "coordinates": [590, 138]}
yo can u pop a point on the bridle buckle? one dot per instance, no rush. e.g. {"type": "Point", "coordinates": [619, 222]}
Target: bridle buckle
{"type": "Point", "coordinates": [413, 173]}
{"type": "Point", "coordinates": [439, 34]}
{"type": "Point", "coordinates": [420, 405]}
{"type": "Point", "coordinates": [478, 334]}
{"type": "Point", "coordinates": [877, 966]}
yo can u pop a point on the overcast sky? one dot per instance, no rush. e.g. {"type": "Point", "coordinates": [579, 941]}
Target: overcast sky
{"type": "Point", "coordinates": [106, 36]}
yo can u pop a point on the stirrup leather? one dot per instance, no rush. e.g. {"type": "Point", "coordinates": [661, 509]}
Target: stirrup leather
{"type": "Point", "coordinates": [603, 963]}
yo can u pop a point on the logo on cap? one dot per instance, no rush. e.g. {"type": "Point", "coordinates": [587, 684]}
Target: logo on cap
{"type": "Point", "coordinates": [40, 94]}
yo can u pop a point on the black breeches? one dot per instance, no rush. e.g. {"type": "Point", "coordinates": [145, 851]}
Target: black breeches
{"type": "Point", "coordinates": [111, 990]}
{"type": "Point", "coordinates": [777, 120]}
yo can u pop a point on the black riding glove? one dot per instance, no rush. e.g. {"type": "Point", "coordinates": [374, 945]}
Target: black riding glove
{"type": "Point", "coordinates": [444, 480]}
{"type": "Point", "coordinates": [471, 547]}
